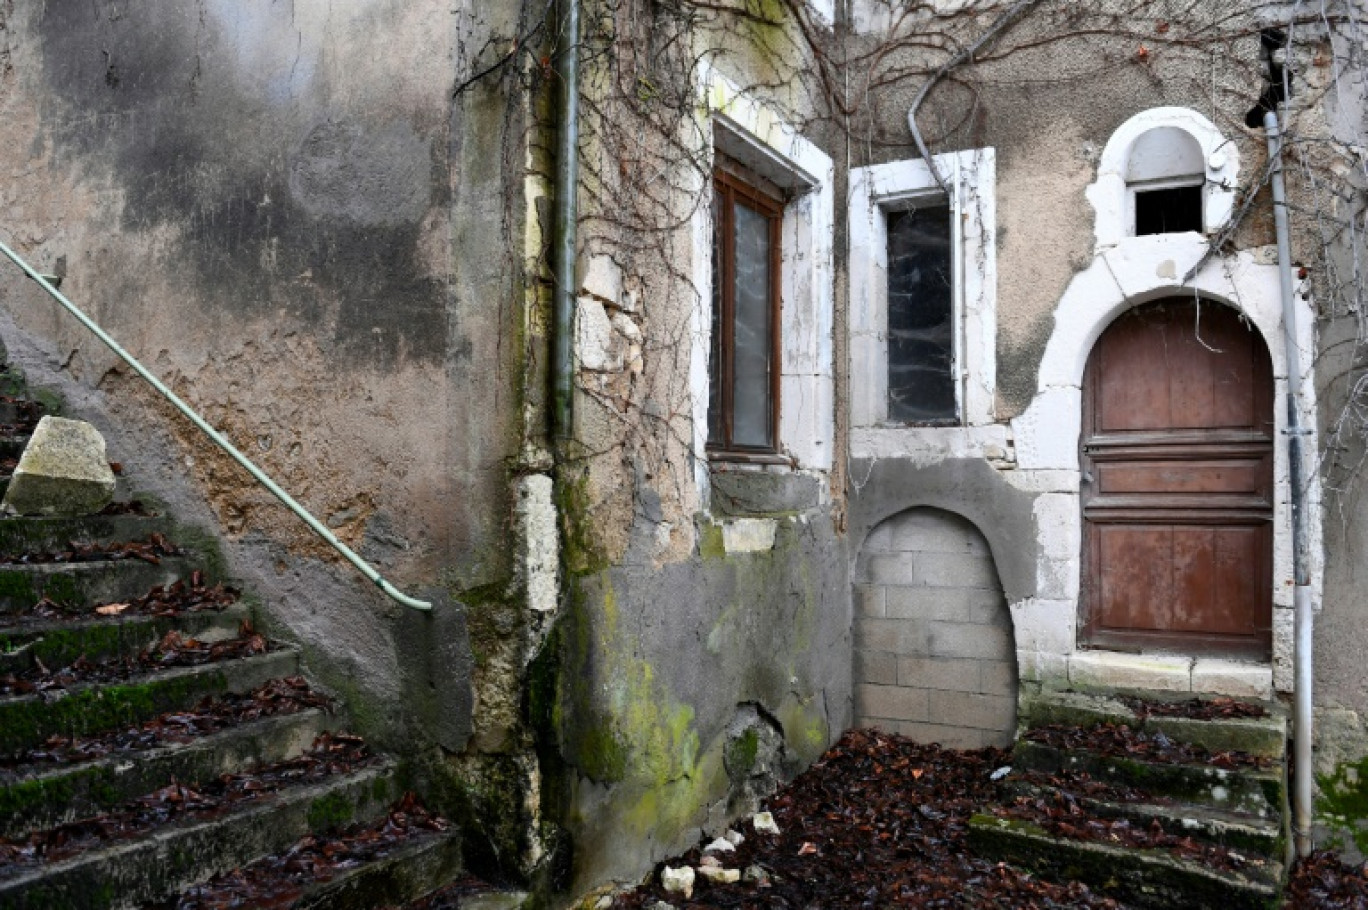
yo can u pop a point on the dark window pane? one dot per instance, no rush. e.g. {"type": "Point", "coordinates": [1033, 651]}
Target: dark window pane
{"type": "Point", "coordinates": [715, 379]}
{"type": "Point", "coordinates": [1169, 211]}
{"type": "Point", "coordinates": [921, 381]}
{"type": "Point", "coordinates": [753, 342]}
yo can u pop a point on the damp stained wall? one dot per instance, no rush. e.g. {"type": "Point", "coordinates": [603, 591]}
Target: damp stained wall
{"type": "Point", "coordinates": [281, 209]}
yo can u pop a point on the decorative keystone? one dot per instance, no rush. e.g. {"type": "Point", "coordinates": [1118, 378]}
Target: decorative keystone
{"type": "Point", "coordinates": [63, 471]}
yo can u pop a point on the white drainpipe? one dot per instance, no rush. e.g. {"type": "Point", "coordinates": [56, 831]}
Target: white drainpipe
{"type": "Point", "coordinates": [1301, 713]}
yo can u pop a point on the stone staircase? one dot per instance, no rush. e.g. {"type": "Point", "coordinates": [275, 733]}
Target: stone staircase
{"type": "Point", "coordinates": [1157, 803]}
{"type": "Point", "coordinates": [152, 741]}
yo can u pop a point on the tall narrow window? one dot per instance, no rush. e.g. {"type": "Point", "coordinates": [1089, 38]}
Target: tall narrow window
{"type": "Point", "coordinates": [921, 323]}
{"type": "Point", "coordinates": [744, 364]}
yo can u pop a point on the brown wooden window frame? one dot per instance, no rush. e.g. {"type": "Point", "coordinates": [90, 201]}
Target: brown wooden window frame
{"type": "Point", "coordinates": [731, 187]}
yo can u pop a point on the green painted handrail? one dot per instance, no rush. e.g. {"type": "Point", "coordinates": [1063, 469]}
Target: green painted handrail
{"type": "Point", "coordinates": [219, 440]}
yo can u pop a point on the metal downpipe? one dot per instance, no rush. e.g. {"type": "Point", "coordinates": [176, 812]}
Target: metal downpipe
{"type": "Point", "coordinates": [1302, 731]}
{"type": "Point", "coordinates": [565, 227]}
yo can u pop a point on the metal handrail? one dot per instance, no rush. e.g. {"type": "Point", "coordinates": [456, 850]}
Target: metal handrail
{"type": "Point", "coordinates": [218, 439]}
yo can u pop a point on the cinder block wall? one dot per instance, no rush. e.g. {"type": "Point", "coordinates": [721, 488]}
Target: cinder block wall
{"type": "Point", "coordinates": [934, 654]}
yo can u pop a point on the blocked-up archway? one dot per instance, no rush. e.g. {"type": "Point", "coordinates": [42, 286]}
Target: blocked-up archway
{"type": "Point", "coordinates": [934, 652]}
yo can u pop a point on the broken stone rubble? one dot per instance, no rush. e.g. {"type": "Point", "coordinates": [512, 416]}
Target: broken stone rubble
{"type": "Point", "coordinates": [63, 471]}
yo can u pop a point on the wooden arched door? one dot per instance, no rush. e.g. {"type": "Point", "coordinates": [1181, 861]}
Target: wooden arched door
{"type": "Point", "coordinates": [1177, 493]}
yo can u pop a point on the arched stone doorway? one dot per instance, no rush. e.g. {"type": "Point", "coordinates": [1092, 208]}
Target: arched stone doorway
{"type": "Point", "coordinates": [935, 658]}
{"type": "Point", "coordinates": [1177, 483]}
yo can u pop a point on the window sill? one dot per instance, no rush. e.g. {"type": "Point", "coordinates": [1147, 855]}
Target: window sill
{"type": "Point", "coordinates": [757, 458]}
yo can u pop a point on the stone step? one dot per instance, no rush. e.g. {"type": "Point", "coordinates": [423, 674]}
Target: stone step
{"type": "Point", "coordinates": [1259, 792]}
{"type": "Point", "coordinates": [1138, 878]}
{"type": "Point", "coordinates": [86, 583]}
{"type": "Point", "coordinates": [27, 720]}
{"type": "Point", "coordinates": [57, 643]}
{"type": "Point", "coordinates": [416, 868]}
{"type": "Point", "coordinates": [55, 795]}
{"type": "Point", "coordinates": [158, 864]}
{"type": "Point", "coordinates": [1265, 737]}
{"type": "Point", "coordinates": [35, 534]}
{"type": "Point", "coordinates": [1232, 830]}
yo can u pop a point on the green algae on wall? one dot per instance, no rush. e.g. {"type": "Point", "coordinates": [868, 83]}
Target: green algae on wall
{"type": "Point", "coordinates": [1343, 802]}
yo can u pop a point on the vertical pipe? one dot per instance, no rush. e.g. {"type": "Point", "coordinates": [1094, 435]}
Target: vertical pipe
{"type": "Point", "coordinates": [566, 223]}
{"type": "Point", "coordinates": [1301, 715]}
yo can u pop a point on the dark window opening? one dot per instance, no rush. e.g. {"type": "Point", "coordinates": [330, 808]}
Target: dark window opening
{"type": "Point", "coordinates": [921, 331]}
{"type": "Point", "coordinates": [743, 363]}
{"type": "Point", "coordinates": [1170, 211]}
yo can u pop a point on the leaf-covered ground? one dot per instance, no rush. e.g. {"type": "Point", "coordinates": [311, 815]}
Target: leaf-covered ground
{"type": "Point", "coordinates": [882, 821]}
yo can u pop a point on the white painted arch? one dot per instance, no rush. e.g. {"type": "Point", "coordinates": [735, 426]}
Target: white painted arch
{"type": "Point", "coordinates": [1113, 198]}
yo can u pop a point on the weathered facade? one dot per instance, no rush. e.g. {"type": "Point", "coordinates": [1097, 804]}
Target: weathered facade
{"type": "Point", "coordinates": [328, 227]}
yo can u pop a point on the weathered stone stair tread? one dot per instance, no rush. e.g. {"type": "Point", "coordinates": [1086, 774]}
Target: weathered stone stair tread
{"type": "Point", "coordinates": [57, 643]}
{"type": "Point", "coordinates": [1142, 878]}
{"type": "Point", "coordinates": [1262, 736]}
{"type": "Point", "coordinates": [1235, 830]}
{"type": "Point", "coordinates": [164, 861]}
{"type": "Point", "coordinates": [27, 720]}
{"type": "Point", "coordinates": [63, 793]}
{"type": "Point", "coordinates": [86, 583]}
{"type": "Point", "coordinates": [1258, 791]}
{"type": "Point", "coordinates": [414, 869]}
{"type": "Point", "coordinates": [49, 534]}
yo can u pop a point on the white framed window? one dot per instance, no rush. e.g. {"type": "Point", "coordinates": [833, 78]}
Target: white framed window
{"type": "Point", "coordinates": [759, 145]}
{"type": "Point", "coordinates": [923, 279]}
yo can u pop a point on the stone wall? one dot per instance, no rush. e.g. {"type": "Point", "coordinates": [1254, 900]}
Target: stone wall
{"type": "Point", "coordinates": [934, 654]}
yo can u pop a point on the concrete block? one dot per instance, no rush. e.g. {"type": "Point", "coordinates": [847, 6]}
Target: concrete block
{"type": "Point", "coordinates": [599, 276]}
{"type": "Point", "coordinates": [1284, 645]}
{"type": "Point", "coordinates": [942, 570]}
{"type": "Point", "coordinates": [952, 737]}
{"type": "Point", "coordinates": [953, 639]}
{"type": "Point", "coordinates": [972, 709]}
{"type": "Point", "coordinates": [927, 531]}
{"type": "Point", "coordinates": [889, 703]}
{"type": "Point", "coordinates": [895, 636]}
{"type": "Point", "coordinates": [807, 419]}
{"type": "Point", "coordinates": [957, 674]}
{"type": "Point", "coordinates": [987, 606]}
{"type": "Point", "coordinates": [595, 342]}
{"type": "Point", "coordinates": [1045, 668]}
{"type": "Point", "coordinates": [1045, 625]}
{"type": "Point", "coordinates": [1113, 670]}
{"type": "Point", "coordinates": [63, 471]}
{"type": "Point", "coordinates": [876, 667]}
{"type": "Point", "coordinates": [1047, 432]}
{"type": "Point", "coordinates": [749, 535]}
{"type": "Point", "coordinates": [869, 601]}
{"type": "Point", "coordinates": [998, 677]}
{"type": "Point", "coordinates": [1237, 679]}
{"type": "Point", "coordinates": [1059, 534]}
{"type": "Point", "coordinates": [925, 603]}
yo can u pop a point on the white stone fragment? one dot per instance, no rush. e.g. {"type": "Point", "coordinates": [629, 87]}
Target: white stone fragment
{"type": "Point", "coordinates": [63, 471]}
{"type": "Point", "coordinates": [678, 881]}
{"type": "Point", "coordinates": [736, 837]}
{"type": "Point", "coordinates": [719, 876]}
{"type": "Point", "coordinates": [749, 535]}
{"type": "Point", "coordinates": [764, 823]}
{"type": "Point", "coordinates": [721, 845]}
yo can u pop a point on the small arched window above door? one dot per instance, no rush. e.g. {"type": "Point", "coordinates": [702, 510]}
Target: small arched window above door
{"type": "Point", "coordinates": [1166, 170]}
{"type": "Point", "coordinates": [1165, 174]}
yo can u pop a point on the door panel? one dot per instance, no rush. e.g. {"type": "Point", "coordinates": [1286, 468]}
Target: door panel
{"type": "Point", "coordinates": [1178, 480]}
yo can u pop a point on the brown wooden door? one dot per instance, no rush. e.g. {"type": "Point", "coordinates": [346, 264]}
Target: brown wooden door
{"type": "Point", "coordinates": [1177, 459]}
